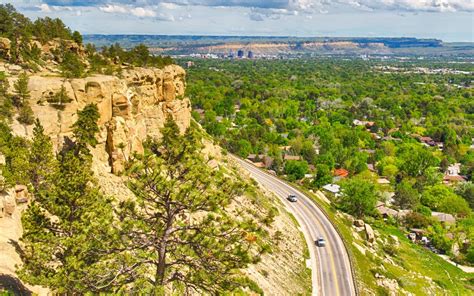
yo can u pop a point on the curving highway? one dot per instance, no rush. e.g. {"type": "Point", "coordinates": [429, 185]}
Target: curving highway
{"type": "Point", "coordinates": [331, 269]}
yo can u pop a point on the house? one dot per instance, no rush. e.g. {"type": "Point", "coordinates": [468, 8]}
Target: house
{"type": "Point", "coordinates": [333, 188]}
{"type": "Point", "coordinates": [285, 148]}
{"type": "Point", "coordinates": [444, 218]}
{"type": "Point", "coordinates": [291, 157]}
{"type": "Point", "coordinates": [342, 173]}
{"type": "Point", "coordinates": [367, 124]}
{"type": "Point", "coordinates": [425, 140]}
{"type": "Point", "coordinates": [429, 141]}
{"type": "Point", "coordinates": [383, 181]}
{"type": "Point", "coordinates": [453, 169]}
{"type": "Point", "coordinates": [189, 64]}
{"type": "Point", "coordinates": [447, 179]}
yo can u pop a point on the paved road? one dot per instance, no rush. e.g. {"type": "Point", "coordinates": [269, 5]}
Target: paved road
{"type": "Point", "coordinates": [331, 270]}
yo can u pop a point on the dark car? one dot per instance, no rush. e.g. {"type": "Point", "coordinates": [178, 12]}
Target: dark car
{"type": "Point", "coordinates": [292, 198]}
{"type": "Point", "coordinates": [320, 242]}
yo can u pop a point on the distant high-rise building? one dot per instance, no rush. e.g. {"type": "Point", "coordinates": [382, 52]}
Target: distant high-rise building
{"type": "Point", "coordinates": [250, 54]}
{"type": "Point", "coordinates": [240, 53]}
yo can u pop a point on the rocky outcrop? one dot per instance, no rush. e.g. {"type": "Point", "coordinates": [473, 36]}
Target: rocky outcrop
{"type": "Point", "coordinates": [131, 108]}
{"type": "Point", "coordinates": [5, 46]}
{"type": "Point", "coordinates": [369, 232]}
{"type": "Point", "coordinates": [7, 200]}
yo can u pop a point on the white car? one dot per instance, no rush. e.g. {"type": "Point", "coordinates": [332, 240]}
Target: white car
{"type": "Point", "coordinates": [320, 242]}
{"type": "Point", "coordinates": [292, 198]}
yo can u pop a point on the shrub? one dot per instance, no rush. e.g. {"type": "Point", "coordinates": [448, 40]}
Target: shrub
{"type": "Point", "coordinates": [59, 99]}
{"type": "Point", "coordinates": [26, 115]}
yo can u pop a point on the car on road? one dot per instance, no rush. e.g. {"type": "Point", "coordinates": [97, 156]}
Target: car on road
{"type": "Point", "coordinates": [320, 242]}
{"type": "Point", "coordinates": [292, 198]}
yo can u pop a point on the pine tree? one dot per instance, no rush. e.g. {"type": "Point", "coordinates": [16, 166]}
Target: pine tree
{"type": "Point", "coordinates": [41, 157]}
{"type": "Point", "coordinates": [25, 114]}
{"type": "Point", "coordinates": [85, 128]}
{"type": "Point", "coordinates": [21, 88]}
{"type": "Point", "coordinates": [6, 104]}
{"type": "Point", "coordinates": [59, 99]}
{"type": "Point", "coordinates": [177, 233]}
{"type": "Point", "coordinates": [68, 226]}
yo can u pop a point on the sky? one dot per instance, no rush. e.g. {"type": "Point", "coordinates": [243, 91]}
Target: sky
{"type": "Point", "coordinates": [448, 20]}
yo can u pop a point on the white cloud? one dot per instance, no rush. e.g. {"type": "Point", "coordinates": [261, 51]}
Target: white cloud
{"type": "Point", "coordinates": [168, 5]}
{"type": "Point", "coordinates": [414, 5]}
{"type": "Point", "coordinates": [113, 9]}
{"type": "Point", "coordinates": [142, 12]}
{"type": "Point", "coordinates": [44, 8]}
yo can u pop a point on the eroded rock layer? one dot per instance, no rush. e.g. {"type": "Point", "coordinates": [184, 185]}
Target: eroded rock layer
{"type": "Point", "coordinates": [131, 108]}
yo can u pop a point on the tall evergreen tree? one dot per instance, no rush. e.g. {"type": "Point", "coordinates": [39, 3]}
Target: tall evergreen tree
{"type": "Point", "coordinates": [67, 228]}
{"type": "Point", "coordinates": [177, 233]}
{"type": "Point", "coordinates": [41, 157]}
{"type": "Point", "coordinates": [6, 105]}
{"type": "Point", "coordinates": [25, 114]}
{"type": "Point", "coordinates": [21, 88]}
{"type": "Point", "coordinates": [86, 128]}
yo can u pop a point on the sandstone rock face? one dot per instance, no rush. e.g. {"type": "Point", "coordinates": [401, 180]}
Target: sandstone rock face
{"type": "Point", "coordinates": [8, 203]}
{"type": "Point", "coordinates": [49, 47]}
{"type": "Point", "coordinates": [5, 46]}
{"type": "Point", "coordinates": [131, 109]}
{"type": "Point", "coordinates": [21, 194]}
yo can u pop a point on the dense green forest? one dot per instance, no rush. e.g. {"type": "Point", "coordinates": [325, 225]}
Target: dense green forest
{"type": "Point", "coordinates": [392, 130]}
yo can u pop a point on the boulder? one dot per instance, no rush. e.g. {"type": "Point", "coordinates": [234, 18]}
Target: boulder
{"type": "Point", "coordinates": [120, 106]}
{"type": "Point", "coordinates": [21, 194]}
{"type": "Point", "coordinates": [359, 223]}
{"type": "Point", "coordinates": [369, 233]}
{"type": "Point", "coordinates": [9, 204]}
{"type": "Point", "coordinates": [5, 46]}
{"type": "Point", "coordinates": [14, 69]}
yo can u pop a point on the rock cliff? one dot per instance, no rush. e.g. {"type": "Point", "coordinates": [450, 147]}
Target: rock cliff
{"type": "Point", "coordinates": [131, 108]}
